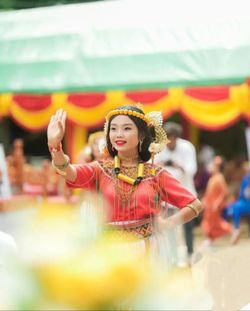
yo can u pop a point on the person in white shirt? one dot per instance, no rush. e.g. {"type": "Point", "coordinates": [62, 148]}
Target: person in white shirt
{"type": "Point", "coordinates": [179, 158]}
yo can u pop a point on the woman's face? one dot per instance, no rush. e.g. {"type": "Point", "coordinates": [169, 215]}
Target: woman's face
{"type": "Point", "coordinates": [123, 134]}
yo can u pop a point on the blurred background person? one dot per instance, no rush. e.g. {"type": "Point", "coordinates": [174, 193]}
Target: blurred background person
{"type": "Point", "coordinates": [206, 154]}
{"type": "Point", "coordinates": [214, 201]}
{"type": "Point", "coordinates": [201, 178]}
{"type": "Point", "coordinates": [15, 163]}
{"type": "Point", "coordinates": [235, 170]}
{"type": "Point", "coordinates": [93, 150]}
{"type": "Point", "coordinates": [179, 158]}
{"type": "Point", "coordinates": [239, 208]}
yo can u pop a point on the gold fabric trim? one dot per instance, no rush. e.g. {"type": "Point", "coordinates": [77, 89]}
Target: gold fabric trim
{"type": "Point", "coordinates": [141, 229]}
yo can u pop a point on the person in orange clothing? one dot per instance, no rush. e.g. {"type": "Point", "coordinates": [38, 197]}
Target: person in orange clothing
{"type": "Point", "coordinates": [214, 200]}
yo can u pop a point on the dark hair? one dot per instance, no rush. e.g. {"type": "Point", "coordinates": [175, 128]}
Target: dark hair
{"type": "Point", "coordinates": [173, 129]}
{"type": "Point", "coordinates": [144, 132]}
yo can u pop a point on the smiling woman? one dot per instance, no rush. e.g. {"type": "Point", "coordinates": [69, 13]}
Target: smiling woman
{"type": "Point", "coordinates": [132, 187]}
{"type": "Point", "coordinates": [124, 136]}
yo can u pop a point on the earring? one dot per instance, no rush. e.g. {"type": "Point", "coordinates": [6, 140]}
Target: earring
{"type": "Point", "coordinates": [140, 144]}
{"type": "Point", "coordinates": [113, 149]}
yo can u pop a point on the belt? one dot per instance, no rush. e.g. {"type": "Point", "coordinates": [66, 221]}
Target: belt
{"type": "Point", "coordinates": [140, 229]}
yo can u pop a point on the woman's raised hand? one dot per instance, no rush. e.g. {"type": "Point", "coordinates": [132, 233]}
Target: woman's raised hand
{"type": "Point", "coordinates": [56, 128]}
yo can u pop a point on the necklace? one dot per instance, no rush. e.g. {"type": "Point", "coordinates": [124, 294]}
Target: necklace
{"type": "Point", "coordinates": [125, 191]}
{"type": "Point", "coordinates": [125, 178]}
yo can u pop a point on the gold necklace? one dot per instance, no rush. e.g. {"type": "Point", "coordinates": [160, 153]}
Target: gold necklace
{"type": "Point", "coordinates": [124, 192]}
{"type": "Point", "coordinates": [125, 178]}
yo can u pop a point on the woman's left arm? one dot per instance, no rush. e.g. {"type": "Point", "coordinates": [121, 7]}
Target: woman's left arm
{"type": "Point", "coordinates": [174, 193]}
{"type": "Point", "coordinates": [184, 215]}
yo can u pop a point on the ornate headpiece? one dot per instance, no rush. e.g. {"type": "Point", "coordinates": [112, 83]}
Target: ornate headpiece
{"type": "Point", "coordinates": [161, 139]}
{"type": "Point", "coordinates": [153, 119]}
{"type": "Point", "coordinates": [127, 112]}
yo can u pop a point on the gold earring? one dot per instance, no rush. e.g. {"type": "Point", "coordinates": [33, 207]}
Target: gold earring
{"type": "Point", "coordinates": [140, 144]}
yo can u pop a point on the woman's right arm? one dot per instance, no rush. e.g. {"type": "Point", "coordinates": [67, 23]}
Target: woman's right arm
{"type": "Point", "coordinates": [61, 163]}
{"type": "Point", "coordinates": [55, 134]}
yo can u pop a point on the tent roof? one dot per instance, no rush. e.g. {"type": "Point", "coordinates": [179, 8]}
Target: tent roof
{"type": "Point", "coordinates": [125, 44]}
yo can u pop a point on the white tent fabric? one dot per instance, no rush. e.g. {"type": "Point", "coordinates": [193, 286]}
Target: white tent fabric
{"type": "Point", "coordinates": [125, 44]}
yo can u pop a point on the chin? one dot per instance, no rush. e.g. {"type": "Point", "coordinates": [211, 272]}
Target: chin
{"type": "Point", "coordinates": [121, 148]}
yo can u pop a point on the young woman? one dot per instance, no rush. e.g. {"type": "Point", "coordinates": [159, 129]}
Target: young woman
{"type": "Point", "coordinates": [214, 201]}
{"type": "Point", "coordinates": [132, 188]}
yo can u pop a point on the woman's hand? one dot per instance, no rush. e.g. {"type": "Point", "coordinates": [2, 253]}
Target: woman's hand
{"type": "Point", "coordinates": [56, 128]}
{"type": "Point", "coordinates": [163, 224]}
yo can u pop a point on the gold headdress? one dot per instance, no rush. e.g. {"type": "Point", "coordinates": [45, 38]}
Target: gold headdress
{"type": "Point", "coordinates": [153, 119]}
{"type": "Point", "coordinates": [161, 138]}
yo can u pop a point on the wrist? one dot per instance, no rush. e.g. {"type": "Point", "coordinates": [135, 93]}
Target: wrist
{"type": "Point", "coordinates": [61, 168]}
{"type": "Point", "coordinates": [53, 149]}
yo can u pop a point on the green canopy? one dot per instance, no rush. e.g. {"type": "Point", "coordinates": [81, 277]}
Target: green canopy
{"type": "Point", "coordinates": [125, 44]}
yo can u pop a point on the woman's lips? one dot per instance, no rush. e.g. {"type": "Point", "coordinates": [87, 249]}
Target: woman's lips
{"type": "Point", "coordinates": [120, 142]}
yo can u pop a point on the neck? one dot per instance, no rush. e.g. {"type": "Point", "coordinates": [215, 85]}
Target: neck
{"type": "Point", "coordinates": [131, 159]}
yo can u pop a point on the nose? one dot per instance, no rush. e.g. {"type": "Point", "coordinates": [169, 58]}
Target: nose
{"type": "Point", "coordinates": [119, 134]}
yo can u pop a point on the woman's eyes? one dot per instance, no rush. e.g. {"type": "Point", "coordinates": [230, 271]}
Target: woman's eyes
{"type": "Point", "coordinates": [125, 128]}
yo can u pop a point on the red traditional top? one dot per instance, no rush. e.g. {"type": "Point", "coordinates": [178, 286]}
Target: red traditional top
{"type": "Point", "coordinates": [126, 202]}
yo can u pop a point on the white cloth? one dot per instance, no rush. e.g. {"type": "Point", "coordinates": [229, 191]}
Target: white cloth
{"type": "Point", "coordinates": [8, 248]}
{"type": "Point", "coordinates": [184, 155]}
{"type": "Point", "coordinates": [7, 244]}
{"type": "Point", "coordinates": [159, 247]}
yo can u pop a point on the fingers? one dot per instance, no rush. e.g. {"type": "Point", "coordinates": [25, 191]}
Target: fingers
{"type": "Point", "coordinates": [64, 116]}
{"type": "Point", "coordinates": [52, 119]}
{"type": "Point", "coordinates": [60, 118]}
{"type": "Point", "coordinates": [60, 115]}
{"type": "Point", "coordinates": [61, 127]}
